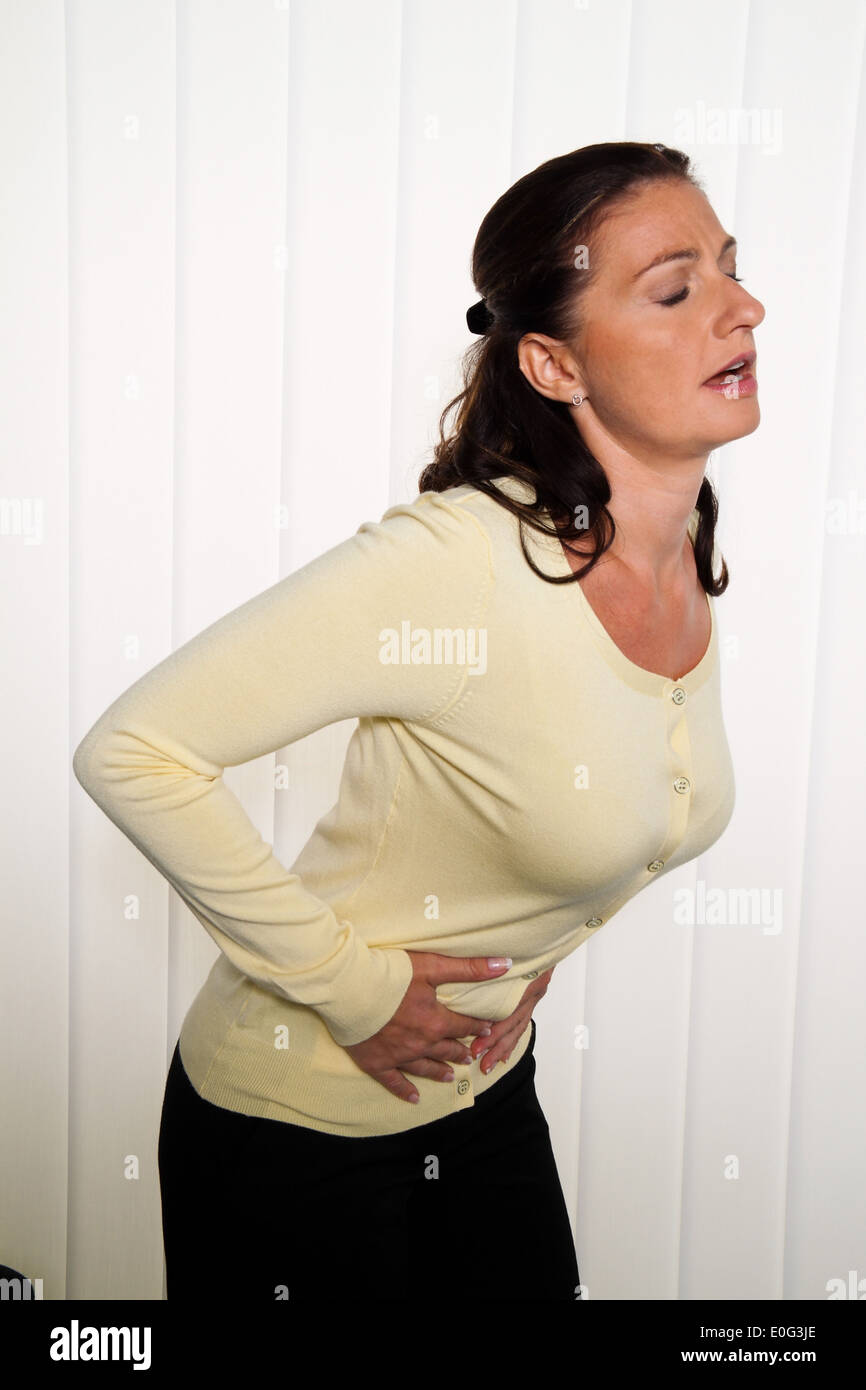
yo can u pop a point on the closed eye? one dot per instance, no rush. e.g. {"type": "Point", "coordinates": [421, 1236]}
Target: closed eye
{"type": "Point", "coordinates": [678, 298]}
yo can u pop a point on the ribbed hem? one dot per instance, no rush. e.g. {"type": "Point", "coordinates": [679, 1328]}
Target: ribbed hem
{"type": "Point", "coordinates": [250, 1077]}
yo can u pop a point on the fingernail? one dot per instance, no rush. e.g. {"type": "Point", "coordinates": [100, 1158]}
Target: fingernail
{"type": "Point", "coordinates": [415, 1099]}
{"type": "Point", "coordinates": [449, 1075]}
{"type": "Point", "coordinates": [499, 962]}
{"type": "Point", "coordinates": [485, 1032]}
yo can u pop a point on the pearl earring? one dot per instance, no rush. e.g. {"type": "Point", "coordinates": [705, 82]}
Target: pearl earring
{"type": "Point", "coordinates": [577, 399]}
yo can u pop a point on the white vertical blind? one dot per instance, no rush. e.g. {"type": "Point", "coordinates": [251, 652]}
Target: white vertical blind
{"type": "Point", "coordinates": [35, 959]}
{"type": "Point", "coordinates": [235, 267]}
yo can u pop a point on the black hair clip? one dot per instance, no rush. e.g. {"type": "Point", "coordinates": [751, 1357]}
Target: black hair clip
{"type": "Point", "coordinates": [479, 317]}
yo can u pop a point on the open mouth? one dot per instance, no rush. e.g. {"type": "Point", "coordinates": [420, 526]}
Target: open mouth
{"type": "Point", "coordinates": [736, 370]}
{"type": "Point", "coordinates": [736, 379]}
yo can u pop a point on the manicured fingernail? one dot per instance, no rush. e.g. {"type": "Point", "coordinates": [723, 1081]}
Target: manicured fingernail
{"type": "Point", "coordinates": [485, 1032]}
{"type": "Point", "coordinates": [499, 962]}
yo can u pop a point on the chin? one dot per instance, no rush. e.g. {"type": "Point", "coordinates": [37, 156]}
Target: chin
{"type": "Point", "coordinates": [741, 423]}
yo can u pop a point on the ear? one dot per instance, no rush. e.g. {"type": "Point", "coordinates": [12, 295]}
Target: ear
{"type": "Point", "coordinates": [549, 367]}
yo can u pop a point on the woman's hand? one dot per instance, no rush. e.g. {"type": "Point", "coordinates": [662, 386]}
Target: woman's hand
{"type": "Point", "coordinates": [422, 1036]}
{"type": "Point", "coordinates": [500, 1044]}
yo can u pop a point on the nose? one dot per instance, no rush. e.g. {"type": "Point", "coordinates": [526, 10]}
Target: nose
{"type": "Point", "coordinates": [749, 309]}
{"type": "Point", "coordinates": [739, 309]}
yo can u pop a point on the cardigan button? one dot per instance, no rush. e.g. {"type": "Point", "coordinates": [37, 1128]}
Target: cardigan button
{"type": "Point", "coordinates": [462, 1087]}
{"type": "Point", "coordinates": [594, 922]}
{"type": "Point", "coordinates": [656, 865]}
{"type": "Point", "coordinates": [533, 975]}
{"type": "Point", "coordinates": [682, 784]}
{"type": "Point", "coordinates": [678, 695]}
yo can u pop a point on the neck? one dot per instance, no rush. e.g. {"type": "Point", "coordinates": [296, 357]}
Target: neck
{"type": "Point", "coordinates": [651, 502]}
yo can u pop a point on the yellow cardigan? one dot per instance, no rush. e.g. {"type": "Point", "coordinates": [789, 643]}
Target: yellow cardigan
{"type": "Point", "coordinates": [512, 781]}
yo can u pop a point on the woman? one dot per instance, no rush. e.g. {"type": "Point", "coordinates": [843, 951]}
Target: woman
{"type": "Point", "coordinates": [539, 736]}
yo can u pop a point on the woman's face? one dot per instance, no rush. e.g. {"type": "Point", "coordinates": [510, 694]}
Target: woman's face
{"type": "Point", "coordinates": [653, 336]}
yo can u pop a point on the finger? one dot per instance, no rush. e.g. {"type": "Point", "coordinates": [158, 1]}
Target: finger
{"type": "Point", "coordinates": [481, 1045]}
{"type": "Point", "coordinates": [444, 1050]}
{"type": "Point", "coordinates": [439, 969]}
{"type": "Point", "coordinates": [508, 1028]}
{"type": "Point", "coordinates": [491, 1060]}
{"type": "Point", "coordinates": [395, 1082]}
{"type": "Point", "coordinates": [428, 1066]}
{"type": "Point", "coordinates": [516, 1022]}
{"type": "Point", "coordinates": [464, 1024]}
{"type": "Point", "coordinates": [504, 1035]}
{"type": "Point", "coordinates": [503, 1048]}
{"type": "Point", "coordinates": [449, 1050]}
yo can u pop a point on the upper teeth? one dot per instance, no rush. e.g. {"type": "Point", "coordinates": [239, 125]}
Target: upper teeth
{"type": "Point", "coordinates": [735, 365]}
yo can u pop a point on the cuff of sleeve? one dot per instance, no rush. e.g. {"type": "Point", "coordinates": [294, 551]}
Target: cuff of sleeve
{"type": "Point", "coordinates": [369, 994]}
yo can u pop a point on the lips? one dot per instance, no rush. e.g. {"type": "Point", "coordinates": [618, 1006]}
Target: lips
{"type": "Point", "coordinates": [746, 358]}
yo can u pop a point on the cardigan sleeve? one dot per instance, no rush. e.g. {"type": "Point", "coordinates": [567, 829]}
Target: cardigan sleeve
{"type": "Point", "coordinates": [309, 651]}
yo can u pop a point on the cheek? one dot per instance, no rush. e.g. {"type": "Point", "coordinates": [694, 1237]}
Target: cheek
{"type": "Point", "coordinates": [663, 373]}
{"type": "Point", "coordinates": [648, 399]}
{"type": "Point", "coordinates": [636, 386]}
{"type": "Point", "coordinates": [636, 375]}
{"type": "Point", "coordinates": [625, 358]}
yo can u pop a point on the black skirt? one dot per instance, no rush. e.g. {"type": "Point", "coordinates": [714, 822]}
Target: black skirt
{"type": "Point", "coordinates": [257, 1210]}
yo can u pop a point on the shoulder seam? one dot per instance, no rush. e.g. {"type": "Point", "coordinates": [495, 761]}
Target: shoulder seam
{"type": "Point", "coordinates": [480, 606]}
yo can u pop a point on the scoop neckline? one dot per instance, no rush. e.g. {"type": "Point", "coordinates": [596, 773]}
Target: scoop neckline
{"type": "Point", "coordinates": [639, 677]}
{"type": "Point", "coordinates": [653, 682]}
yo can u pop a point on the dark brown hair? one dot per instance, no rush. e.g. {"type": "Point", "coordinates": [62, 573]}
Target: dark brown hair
{"type": "Point", "coordinates": [523, 266]}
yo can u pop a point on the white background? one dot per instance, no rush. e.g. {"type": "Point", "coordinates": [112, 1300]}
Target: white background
{"type": "Point", "coordinates": [234, 261]}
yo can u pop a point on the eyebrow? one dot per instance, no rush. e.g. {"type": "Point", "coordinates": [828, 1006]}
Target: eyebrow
{"type": "Point", "coordinates": [689, 253]}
